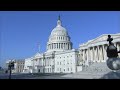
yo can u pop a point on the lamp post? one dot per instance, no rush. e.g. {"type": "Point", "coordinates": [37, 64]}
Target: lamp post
{"type": "Point", "coordinates": [113, 61]}
{"type": "Point", "coordinates": [10, 67]}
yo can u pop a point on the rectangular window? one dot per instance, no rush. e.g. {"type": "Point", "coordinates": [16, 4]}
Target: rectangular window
{"type": "Point", "coordinates": [68, 69]}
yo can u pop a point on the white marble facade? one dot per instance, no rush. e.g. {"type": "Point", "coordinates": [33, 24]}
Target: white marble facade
{"type": "Point", "coordinates": [95, 50]}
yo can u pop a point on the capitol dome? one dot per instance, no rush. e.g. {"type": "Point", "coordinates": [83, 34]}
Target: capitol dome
{"type": "Point", "coordinates": [59, 39]}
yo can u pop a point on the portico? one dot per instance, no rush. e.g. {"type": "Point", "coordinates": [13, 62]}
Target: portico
{"type": "Point", "coordinates": [95, 50]}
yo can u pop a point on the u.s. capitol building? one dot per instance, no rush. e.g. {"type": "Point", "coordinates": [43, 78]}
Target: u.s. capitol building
{"type": "Point", "coordinates": [60, 57]}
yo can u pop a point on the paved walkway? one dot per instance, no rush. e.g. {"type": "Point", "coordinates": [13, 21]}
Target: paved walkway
{"type": "Point", "coordinates": [94, 75]}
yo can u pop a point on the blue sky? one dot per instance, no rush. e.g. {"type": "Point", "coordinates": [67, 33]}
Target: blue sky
{"type": "Point", "coordinates": [21, 31]}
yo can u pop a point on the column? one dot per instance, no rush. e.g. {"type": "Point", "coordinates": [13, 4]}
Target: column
{"type": "Point", "coordinates": [103, 53]}
{"type": "Point", "coordinates": [52, 45]}
{"type": "Point", "coordinates": [91, 58]}
{"type": "Point", "coordinates": [83, 55]}
{"type": "Point", "coordinates": [103, 49]}
{"type": "Point", "coordinates": [49, 46]}
{"type": "Point", "coordinates": [87, 56]}
{"type": "Point", "coordinates": [101, 56]}
{"type": "Point", "coordinates": [63, 45]}
{"type": "Point", "coordinates": [55, 46]}
{"type": "Point", "coordinates": [59, 45]}
{"type": "Point", "coordinates": [98, 54]}
{"type": "Point", "coordinates": [70, 45]}
{"type": "Point", "coordinates": [92, 52]}
{"type": "Point", "coordinates": [118, 48]}
{"type": "Point", "coordinates": [67, 45]}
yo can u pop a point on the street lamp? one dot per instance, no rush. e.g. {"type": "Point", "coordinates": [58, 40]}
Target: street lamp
{"type": "Point", "coordinates": [10, 67]}
{"type": "Point", "coordinates": [113, 61]}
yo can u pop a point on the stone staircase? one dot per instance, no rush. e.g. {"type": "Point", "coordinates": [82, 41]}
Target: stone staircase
{"type": "Point", "coordinates": [96, 67]}
{"type": "Point", "coordinates": [94, 71]}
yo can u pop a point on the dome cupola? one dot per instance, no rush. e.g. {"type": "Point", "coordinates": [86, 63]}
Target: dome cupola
{"type": "Point", "coordinates": [59, 39]}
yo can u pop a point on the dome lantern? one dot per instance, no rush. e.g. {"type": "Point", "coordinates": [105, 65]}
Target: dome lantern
{"type": "Point", "coordinates": [59, 22]}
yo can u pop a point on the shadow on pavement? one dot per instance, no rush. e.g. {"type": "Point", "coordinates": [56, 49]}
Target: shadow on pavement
{"type": "Point", "coordinates": [112, 75]}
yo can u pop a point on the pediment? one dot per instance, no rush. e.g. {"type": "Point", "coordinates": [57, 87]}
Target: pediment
{"type": "Point", "coordinates": [103, 38]}
{"type": "Point", "coordinates": [37, 55]}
